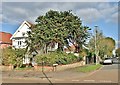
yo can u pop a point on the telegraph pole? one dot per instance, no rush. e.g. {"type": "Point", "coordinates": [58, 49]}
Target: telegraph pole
{"type": "Point", "coordinates": [96, 44]}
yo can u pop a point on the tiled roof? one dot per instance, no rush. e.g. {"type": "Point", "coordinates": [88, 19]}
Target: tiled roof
{"type": "Point", "coordinates": [5, 37]}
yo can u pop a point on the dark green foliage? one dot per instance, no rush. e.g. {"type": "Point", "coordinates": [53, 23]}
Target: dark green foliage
{"type": "Point", "coordinates": [56, 26]}
{"type": "Point", "coordinates": [57, 57]}
{"type": "Point", "coordinates": [20, 54]}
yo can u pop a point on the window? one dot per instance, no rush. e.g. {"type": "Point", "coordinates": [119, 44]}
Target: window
{"type": "Point", "coordinates": [19, 43]}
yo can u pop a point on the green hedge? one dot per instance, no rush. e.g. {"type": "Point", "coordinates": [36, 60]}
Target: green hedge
{"type": "Point", "coordinates": [57, 57]}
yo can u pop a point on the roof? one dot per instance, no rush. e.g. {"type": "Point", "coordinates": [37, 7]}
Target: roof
{"type": "Point", "coordinates": [5, 37]}
{"type": "Point", "coordinates": [30, 23]}
{"type": "Point", "coordinates": [24, 22]}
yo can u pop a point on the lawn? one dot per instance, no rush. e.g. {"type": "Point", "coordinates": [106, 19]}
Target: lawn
{"type": "Point", "coordinates": [24, 68]}
{"type": "Point", "coordinates": [88, 68]}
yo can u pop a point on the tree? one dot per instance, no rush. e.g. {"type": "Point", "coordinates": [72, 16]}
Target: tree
{"type": "Point", "coordinates": [57, 27]}
{"type": "Point", "coordinates": [94, 41]}
{"type": "Point", "coordinates": [117, 52]}
{"type": "Point", "coordinates": [104, 45]}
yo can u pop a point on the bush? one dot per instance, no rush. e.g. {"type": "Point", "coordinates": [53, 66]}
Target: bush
{"type": "Point", "coordinates": [56, 57]}
{"type": "Point", "coordinates": [8, 56]}
{"type": "Point", "coordinates": [13, 57]}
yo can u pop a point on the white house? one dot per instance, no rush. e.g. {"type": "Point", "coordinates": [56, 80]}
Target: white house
{"type": "Point", "coordinates": [18, 38]}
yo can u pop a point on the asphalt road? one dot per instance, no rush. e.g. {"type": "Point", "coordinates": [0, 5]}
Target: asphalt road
{"type": "Point", "coordinates": [107, 74]}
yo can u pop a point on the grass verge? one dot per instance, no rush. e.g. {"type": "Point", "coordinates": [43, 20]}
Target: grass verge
{"type": "Point", "coordinates": [88, 68]}
{"type": "Point", "coordinates": [24, 68]}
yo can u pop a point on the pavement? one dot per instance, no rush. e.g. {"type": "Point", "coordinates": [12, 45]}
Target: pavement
{"type": "Point", "coordinates": [107, 74]}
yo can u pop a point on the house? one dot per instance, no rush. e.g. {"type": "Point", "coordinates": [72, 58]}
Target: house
{"type": "Point", "coordinates": [5, 40]}
{"type": "Point", "coordinates": [18, 38]}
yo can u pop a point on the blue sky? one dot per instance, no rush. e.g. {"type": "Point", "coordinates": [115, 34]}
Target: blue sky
{"type": "Point", "coordinates": [102, 14]}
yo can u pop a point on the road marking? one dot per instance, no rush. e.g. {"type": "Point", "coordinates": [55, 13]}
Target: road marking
{"type": "Point", "coordinates": [106, 81]}
{"type": "Point", "coordinates": [89, 80]}
{"type": "Point", "coordinates": [58, 79]}
{"type": "Point", "coordinates": [76, 80]}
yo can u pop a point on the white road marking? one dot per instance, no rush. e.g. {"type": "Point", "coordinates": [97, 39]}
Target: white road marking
{"type": "Point", "coordinates": [89, 80]}
{"type": "Point", "coordinates": [106, 81]}
{"type": "Point", "coordinates": [58, 79]}
{"type": "Point", "coordinates": [76, 80]}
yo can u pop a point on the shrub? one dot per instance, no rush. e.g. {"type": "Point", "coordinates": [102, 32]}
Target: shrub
{"type": "Point", "coordinates": [56, 57]}
{"type": "Point", "coordinates": [8, 56]}
{"type": "Point", "coordinates": [13, 57]}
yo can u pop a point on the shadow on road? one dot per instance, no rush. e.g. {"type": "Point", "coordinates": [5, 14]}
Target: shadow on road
{"type": "Point", "coordinates": [47, 78]}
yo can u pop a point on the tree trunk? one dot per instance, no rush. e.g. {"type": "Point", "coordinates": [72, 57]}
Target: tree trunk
{"type": "Point", "coordinates": [45, 48]}
{"type": "Point", "coordinates": [60, 47]}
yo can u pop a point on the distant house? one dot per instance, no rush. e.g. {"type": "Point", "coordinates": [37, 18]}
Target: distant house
{"type": "Point", "coordinates": [5, 40]}
{"type": "Point", "coordinates": [18, 38]}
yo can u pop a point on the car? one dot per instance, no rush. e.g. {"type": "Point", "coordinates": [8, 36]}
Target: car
{"type": "Point", "coordinates": [108, 61]}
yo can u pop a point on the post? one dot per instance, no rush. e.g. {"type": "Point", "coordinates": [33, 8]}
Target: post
{"type": "Point", "coordinates": [54, 67]}
{"type": "Point", "coordinates": [42, 66]}
{"type": "Point", "coordinates": [96, 44]}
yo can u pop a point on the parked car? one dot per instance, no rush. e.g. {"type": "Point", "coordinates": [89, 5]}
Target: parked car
{"type": "Point", "coordinates": [107, 61]}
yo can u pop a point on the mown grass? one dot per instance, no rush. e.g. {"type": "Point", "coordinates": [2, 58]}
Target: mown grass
{"type": "Point", "coordinates": [88, 68]}
{"type": "Point", "coordinates": [24, 68]}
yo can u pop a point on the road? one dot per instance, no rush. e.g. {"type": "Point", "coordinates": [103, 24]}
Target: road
{"type": "Point", "coordinates": [107, 74]}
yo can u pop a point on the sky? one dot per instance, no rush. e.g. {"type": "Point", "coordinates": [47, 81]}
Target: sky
{"type": "Point", "coordinates": [102, 14]}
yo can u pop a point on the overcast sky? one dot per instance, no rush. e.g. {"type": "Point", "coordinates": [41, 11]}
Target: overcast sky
{"type": "Point", "coordinates": [103, 14]}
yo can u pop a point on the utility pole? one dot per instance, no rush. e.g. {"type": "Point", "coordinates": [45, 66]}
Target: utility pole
{"type": "Point", "coordinates": [96, 44]}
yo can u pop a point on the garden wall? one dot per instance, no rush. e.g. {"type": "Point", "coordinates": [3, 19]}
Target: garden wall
{"type": "Point", "coordinates": [47, 68]}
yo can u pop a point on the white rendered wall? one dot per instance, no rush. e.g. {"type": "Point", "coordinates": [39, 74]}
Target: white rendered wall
{"type": "Point", "coordinates": [19, 37]}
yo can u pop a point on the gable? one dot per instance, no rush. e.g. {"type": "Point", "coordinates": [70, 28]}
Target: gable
{"type": "Point", "coordinates": [22, 30]}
